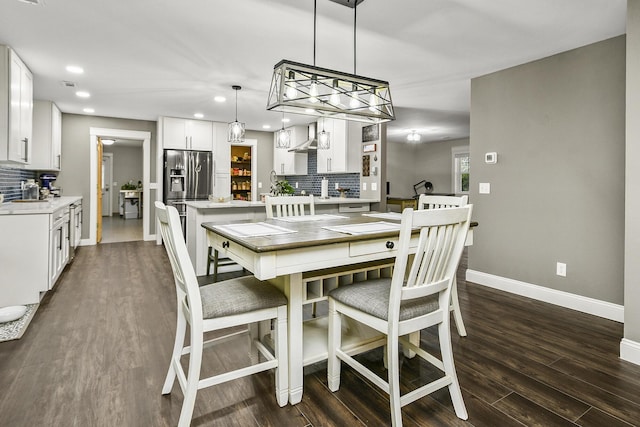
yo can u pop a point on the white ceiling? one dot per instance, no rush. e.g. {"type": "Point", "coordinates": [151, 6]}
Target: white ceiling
{"type": "Point", "coordinates": [150, 58]}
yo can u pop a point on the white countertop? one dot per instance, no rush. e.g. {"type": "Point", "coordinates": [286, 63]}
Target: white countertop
{"type": "Point", "coordinates": [205, 204]}
{"type": "Point", "coordinates": [40, 207]}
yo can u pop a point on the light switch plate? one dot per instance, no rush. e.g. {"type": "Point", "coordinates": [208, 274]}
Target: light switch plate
{"type": "Point", "coordinates": [374, 186]}
{"type": "Point", "coordinates": [364, 186]}
{"type": "Point", "coordinates": [484, 188]}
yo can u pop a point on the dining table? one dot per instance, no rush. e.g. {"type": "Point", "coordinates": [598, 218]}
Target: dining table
{"type": "Point", "coordinates": [306, 257]}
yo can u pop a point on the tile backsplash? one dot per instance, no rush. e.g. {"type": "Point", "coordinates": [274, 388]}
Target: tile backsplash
{"type": "Point", "coordinates": [10, 180]}
{"type": "Point", "coordinates": [311, 182]}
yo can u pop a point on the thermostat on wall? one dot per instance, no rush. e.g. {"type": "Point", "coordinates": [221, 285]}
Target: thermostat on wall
{"type": "Point", "coordinates": [491, 158]}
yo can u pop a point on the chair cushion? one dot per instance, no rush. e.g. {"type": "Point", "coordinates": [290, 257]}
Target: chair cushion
{"type": "Point", "coordinates": [372, 297]}
{"type": "Point", "coordinates": [237, 296]}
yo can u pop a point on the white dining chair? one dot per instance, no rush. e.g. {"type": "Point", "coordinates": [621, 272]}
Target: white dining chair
{"type": "Point", "coordinates": [241, 301]}
{"type": "Point", "coordinates": [283, 206]}
{"type": "Point", "coordinates": [415, 297]}
{"type": "Point", "coordinates": [427, 201]}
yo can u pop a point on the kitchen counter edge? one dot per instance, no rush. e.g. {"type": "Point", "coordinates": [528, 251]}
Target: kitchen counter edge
{"type": "Point", "coordinates": [40, 207]}
{"type": "Point", "coordinates": [205, 204]}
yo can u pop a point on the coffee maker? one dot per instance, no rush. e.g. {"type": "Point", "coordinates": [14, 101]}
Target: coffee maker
{"type": "Point", "coordinates": [46, 181]}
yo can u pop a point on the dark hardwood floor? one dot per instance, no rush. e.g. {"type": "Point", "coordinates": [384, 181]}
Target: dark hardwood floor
{"type": "Point", "coordinates": [97, 351]}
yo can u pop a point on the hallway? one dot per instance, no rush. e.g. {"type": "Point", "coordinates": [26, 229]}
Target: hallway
{"type": "Point", "coordinates": [116, 229]}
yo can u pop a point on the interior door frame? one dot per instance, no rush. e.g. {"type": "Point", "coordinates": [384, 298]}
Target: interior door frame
{"type": "Point", "coordinates": [110, 175]}
{"type": "Point", "coordinates": [143, 136]}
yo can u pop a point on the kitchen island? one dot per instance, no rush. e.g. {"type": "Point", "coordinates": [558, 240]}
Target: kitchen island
{"type": "Point", "coordinates": [205, 211]}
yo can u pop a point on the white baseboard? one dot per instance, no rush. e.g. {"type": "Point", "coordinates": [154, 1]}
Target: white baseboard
{"type": "Point", "coordinates": [630, 351]}
{"type": "Point", "coordinates": [564, 299]}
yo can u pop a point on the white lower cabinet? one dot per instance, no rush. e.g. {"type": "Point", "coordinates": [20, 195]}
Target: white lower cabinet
{"type": "Point", "coordinates": [34, 250]}
{"type": "Point", "coordinates": [24, 251]}
{"type": "Point", "coordinates": [59, 244]}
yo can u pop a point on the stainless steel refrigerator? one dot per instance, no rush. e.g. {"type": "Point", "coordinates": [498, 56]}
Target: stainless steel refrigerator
{"type": "Point", "coordinates": [188, 175]}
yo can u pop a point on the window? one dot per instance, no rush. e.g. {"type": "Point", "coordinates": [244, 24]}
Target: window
{"type": "Point", "coordinates": [460, 168]}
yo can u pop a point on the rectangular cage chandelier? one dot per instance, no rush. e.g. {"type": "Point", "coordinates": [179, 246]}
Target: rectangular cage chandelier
{"type": "Point", "coordinates": [315, 91]}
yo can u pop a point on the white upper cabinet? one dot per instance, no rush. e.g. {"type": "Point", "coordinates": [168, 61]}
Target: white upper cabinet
{"type": "Point", "coordinates": [289, 163]}
{"type": "Point", "coordinates": [183, 134]}
{"type": "Point", "coordinates": [47, 137]}
{"type": "Point", "coordinates": [343, 155]}
{"type": "Point", "coordinates": [16, 108]}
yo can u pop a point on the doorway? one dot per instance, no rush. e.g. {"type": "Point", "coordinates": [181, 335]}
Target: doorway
{"type": "Point", "coordinates": [107, 174]}
{"type": "Point", "coordinates": [95, 161]}
{"type": "Point", "coordinates": [121, 191]}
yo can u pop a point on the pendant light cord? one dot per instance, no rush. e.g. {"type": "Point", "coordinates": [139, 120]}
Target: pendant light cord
{"type": "Point", "coordinates": [236, 104]}
{"type": "Point", "coordinates": [355, 15]}
{"type": "Point", "coordinates": [315, 3]}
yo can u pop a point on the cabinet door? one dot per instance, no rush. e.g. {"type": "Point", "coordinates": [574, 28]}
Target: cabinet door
{"type": "Point", "coordinates": [47, 137]}
{"type": "Point", "coordinates": [55, 254]}
{"type": "Point", "coordinates": [20, 110]}
{"type": "Point", "coordinates": [200, 135]}
{"type": "Point", "coordinates": [335, 159]}
{"type": "Point", "coordinates": [325, 156]}
{"type": "Point", "coordinates": [290, 163]}
{"type": "Point", "coordinates": [56, 138]}
{"type": "Point", "coordinates": [174, 133]}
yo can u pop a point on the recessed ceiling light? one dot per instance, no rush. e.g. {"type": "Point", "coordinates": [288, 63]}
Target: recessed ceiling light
{"type": "Point", "coordinates": [266, 126]}
{"type": "Point", "coordinates": [286, 120]}
{"type": "Point", "coordinates": [89, 110]}
{"type": "Point", "coordinates": [219, 99]}
{"type": "Point", "coordinates": [75, 69]}
{"type": "Point", "coordinates": [198, 115]}
{"type": "Point", "coordinates": [107, 141]}
{"type": "Point", "coordinates": [83, 94]}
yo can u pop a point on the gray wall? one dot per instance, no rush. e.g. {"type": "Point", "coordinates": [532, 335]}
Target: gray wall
{"type": "Point", "coordinates": [265, 158]}
{"type": "Point", "coordinates": [557, 191]}
{"type": "Point", "coordinates": [74, 176]}
{"type": "Point", "coordinates": [408, 164]}
{"type": "Point", "coordinates": [632, 228]}
{"type": "Point", "coordinates": [127, 166]}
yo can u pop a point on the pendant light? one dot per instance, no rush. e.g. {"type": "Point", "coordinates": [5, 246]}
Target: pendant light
{"type": "Point", "coordinates": [283, 136]}
{"type": "Point", "coordinates": [311, 90]}
{"type": "Point", "coordinates": [324, 139]}
{"type": "Point", "coordinates": [413, 136]}
{"type": "Point", "coordinates": [236, 129]}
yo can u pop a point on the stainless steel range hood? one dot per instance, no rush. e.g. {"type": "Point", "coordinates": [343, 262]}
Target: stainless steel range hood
{"type": "Point", "coordinates": [310, 144]}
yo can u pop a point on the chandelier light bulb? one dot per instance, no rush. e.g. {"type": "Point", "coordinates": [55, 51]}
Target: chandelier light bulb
{"type": "Point", "coordinates": [373, 103]}
{"type": "Point", "coordinates": [313, 90]}
{"type": "Point", "coordinates": [291, 92]}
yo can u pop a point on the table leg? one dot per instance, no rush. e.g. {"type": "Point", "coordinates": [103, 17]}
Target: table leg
{"type": "Point", "coordinates": [293, 291]}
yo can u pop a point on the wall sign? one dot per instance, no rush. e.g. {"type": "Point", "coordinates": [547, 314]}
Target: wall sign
{"type": "Point", "coordinates": [369, 148]}
{"type": "Point", "coordinates": [370, 133]}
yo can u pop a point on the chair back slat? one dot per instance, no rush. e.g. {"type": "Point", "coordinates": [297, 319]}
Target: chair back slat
{"type": "Point", "coordinates": [284, 206]}
{"type": "Point", "coordinates": [427, 201]}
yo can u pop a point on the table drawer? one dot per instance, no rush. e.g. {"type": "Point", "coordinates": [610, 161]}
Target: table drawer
{"type": "Point", "coordinates": [389, 244]}
{"type": "Point", "coordinates": [353, 207]}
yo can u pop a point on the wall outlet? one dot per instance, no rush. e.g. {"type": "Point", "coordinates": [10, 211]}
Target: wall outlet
{"type": "Point", "coordinates": [364, 186]}
{"type": "Point", "coordinates": [561, 269]}
{"type": "Point", "coordinates": [484, 188]}
{"type": "Point", "coordinates": [259, 185]}
{"type": "Point", "coordinates": [296, 185]}
{"type": "Point", "coordinates": [337, 185]}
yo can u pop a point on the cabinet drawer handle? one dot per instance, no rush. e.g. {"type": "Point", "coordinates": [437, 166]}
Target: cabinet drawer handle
{"type": "Point", "coordinates": [389, 245]}
{"type": "Point", "coordinates": [225, 244]}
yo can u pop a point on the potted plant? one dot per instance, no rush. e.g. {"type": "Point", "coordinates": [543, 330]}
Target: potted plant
{"type": "Point", "coordinates": [282, 188]}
